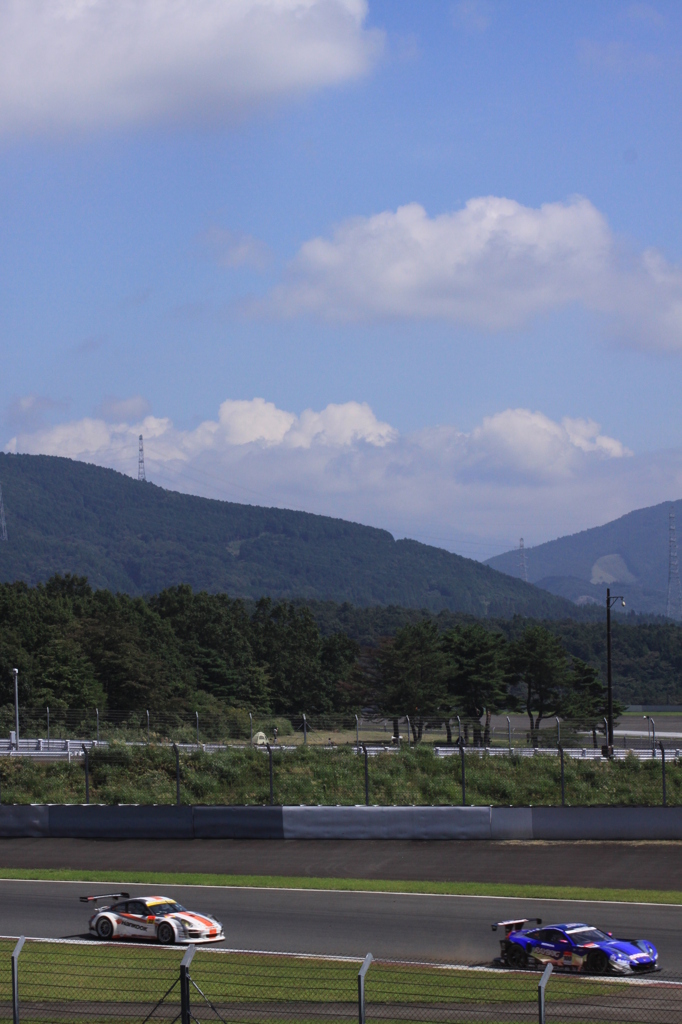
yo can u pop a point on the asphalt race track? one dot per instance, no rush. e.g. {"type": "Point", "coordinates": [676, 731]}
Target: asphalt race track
{"type": "Point", "coordinates": [617, 865]}
{"type": "Point", "coordinates": [346, 923]}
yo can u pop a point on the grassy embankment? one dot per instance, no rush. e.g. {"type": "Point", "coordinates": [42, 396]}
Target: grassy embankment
{"type": "Point", "coordinates": [309, 776]}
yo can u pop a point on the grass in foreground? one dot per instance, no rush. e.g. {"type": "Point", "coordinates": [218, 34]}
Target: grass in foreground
{"type": "Point", "coordinates": [492, 889]}
{"type": "Point", "coordinates": [101, 974]}
{"type": "Point", "coordinates": [308, 776]}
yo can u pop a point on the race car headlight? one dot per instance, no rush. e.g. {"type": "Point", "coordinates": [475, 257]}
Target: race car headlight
{"type": "Point", "coordinates": [621, 958]}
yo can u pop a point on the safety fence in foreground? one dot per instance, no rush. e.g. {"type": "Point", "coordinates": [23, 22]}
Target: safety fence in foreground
{"type": "Point", "coordinates": [67, 982]}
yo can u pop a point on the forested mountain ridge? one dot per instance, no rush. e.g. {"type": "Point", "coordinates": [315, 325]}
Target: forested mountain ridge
{"type": "Point", "coordinates": [123, 535]}
{"type": "Point", "coordinates": [630, 554]}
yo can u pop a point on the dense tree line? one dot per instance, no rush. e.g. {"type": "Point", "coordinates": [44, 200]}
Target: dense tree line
{"type": "Point", "coordinates": [181, 651]}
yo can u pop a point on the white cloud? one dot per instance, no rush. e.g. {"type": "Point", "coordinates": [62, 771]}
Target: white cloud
{"type": "Point", "coordinates": [81, 63]}
{"type": "Point", "coordinates": [516, 473]}
{"type": "Point", "coordinates": [493, 265]}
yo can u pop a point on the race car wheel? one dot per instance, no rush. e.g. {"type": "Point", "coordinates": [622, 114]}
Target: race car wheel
{"type": "Point", "coordinates": [165, 934]}
{"type": "Point", "coordinates": [597, 962]}
{"type": "Point", "coordinates": [516, 957]}
{"type": "Point", "coordinates": [105, 928]}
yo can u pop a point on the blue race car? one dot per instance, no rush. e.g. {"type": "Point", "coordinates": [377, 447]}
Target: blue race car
{"type": "Point", "coordinates": [576, 947]}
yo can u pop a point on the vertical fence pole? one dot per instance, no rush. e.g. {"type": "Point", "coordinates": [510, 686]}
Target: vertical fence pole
{"type": "Point", "coordinates": [87, 774]}
{"type": "Point", "coordinates": [558, 731]}
{"type": "Point", "coordinates": [177, 774]}
{"type": "Point", "coordinates": [97, 715]}
{"type": "Point", "coordinates": [508, 733]}
{"type": "Point", "coordinates": [464, 781]}
{"type": "Point", "coordinates": [147, 727]}
{"type": "Point", "coordinates": [15, 980]}
{"type": "Point", "coordinates": [305, 729]}
{"type": "Point", "coordinates": [185, 1011]}
{"type": "Point", "coordinates": [15, 672]}
{"type": "Point", "coordinates": [563, 779]}
{"type": "Point", "coordinates": [251, 728]}
{"type": "Point", "coordinates": [361, 987]}
{"type": "Point", "coordinates": [541, 993]}
{"type": "Point", "coordinates": [364, 747]}
{"type": "Point", "coordinates": [665, 798]}
{"type": "Point", "coordinates": [48, 728]}
{"type": "Point", "coordinates": [357, 735]}
{"type": "Point", "coordinates": [409, 741]}
{"type": "Point", "coordinates": [197, 714]}
{"type": "Point", "coordinates": [272, 791]}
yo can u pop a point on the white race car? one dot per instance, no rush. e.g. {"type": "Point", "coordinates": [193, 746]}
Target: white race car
{"type": "Point", "coordinates": [151, 917]}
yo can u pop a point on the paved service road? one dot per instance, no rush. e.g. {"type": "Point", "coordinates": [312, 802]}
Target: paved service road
{"type": "Point", "coordinates": [345, 923]}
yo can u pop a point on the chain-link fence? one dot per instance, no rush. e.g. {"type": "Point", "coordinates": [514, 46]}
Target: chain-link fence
{"type": "Point", "coordinates": [47, 729]}
{"type": "Point", "coordinates": [74, 982]}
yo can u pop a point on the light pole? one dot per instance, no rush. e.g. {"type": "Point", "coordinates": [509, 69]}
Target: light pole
{"type": "Point", "coordinates": [16, 703]}
{"type": "Point", "coordinates": [610, 601]}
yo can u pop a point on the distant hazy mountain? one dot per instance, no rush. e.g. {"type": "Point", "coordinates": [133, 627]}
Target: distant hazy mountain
{"type": "Point", "coordinates": [65, 516]}
{"type": "Point", "coordinates": [629, 554]}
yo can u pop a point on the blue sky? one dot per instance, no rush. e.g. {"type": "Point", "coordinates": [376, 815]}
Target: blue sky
{"type": "Point", "coordinates": [160, 198]}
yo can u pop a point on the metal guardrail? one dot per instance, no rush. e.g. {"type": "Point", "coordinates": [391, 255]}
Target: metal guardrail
{"type": "Point", "coordinates": [53, 750]}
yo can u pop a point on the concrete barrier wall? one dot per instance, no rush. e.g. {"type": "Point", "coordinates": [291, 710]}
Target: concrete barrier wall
{"type": "Point", "coordinates": [386, 822]}
{"type": "Point", "coordinates": [94, 821]}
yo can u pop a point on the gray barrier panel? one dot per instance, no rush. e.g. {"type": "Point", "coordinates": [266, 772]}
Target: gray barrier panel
{"type": "Point", "coordinates": [125, 821]}
{"type": "Point", "coordinates": [24, 820]}
{"type": "Point", "coordinates": [607, 822]}
{"type": "Point", "coordinates": [238, 823]}
{"type": "Point", "coordinates": [386, 822]}
{"type": "Point", "coordinates": [511, 823]}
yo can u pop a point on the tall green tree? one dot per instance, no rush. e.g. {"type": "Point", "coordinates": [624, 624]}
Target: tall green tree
{"type": "Point", "coordinates": [412, 672]}
{"type": "Point", "coordinates": [540, 672]}
{"type": "Point", "coordinates": [476, 676]}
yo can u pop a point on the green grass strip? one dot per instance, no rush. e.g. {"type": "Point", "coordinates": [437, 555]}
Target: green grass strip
{"type": "Point", "coordinates": [156, 878]}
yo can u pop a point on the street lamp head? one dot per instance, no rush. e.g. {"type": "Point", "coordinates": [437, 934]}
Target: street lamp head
{"type": "Point", "coordinates": [622, 601]}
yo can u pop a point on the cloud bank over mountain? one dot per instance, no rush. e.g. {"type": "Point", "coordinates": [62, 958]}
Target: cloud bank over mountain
{"type": "Point", "coordinates": [517, 471]}
{"type": "Point", "coordinates": [492, 265]}
{"type": "Point", "coordinates": [84, 64]}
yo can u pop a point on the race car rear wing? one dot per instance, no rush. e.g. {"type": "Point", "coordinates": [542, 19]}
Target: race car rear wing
{"type": "Point", "coordinates": [513, 926]}
{"type": "Point", "coordinates": [106, 896]}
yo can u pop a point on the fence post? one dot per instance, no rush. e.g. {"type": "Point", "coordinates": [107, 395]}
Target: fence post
{"type": "Point", "coordinates": [541, 993]}
{"type": "Point", "coordinates": [251, 728]}
{"type": "Point", "coordinates": [665, 800]}
{"type": "Point", "coordinates": [87, 774]}
{"type": "Point", "coordinates": [185, 1012]}
{"type": "Point", "coordinates": [197, 714]}
{"type": "Point", "coordinates": [364, 747]}
{"type": "Point", "coordinates": [272, 791]}
{"type": "Point", "coordinates": [357, 735]}
{"type": "Point", "coordinates": [305, 730]}
{"type": "Point", "coordinates": [361, 987]}
{"type": "Point", "coordinates": [409, 741]}
{"type": "Point", "coordinates": [464, 781]}
{"type": "Point", "coordinates": [147, 728]}
{"type": "Point", "coordinates": [177, 774]}
{"type": "Point", "coordinates": [48, 728]}
{"type": "Point", "coordinates": [97, 716]}
{"type": "Point", "coordinates": [563, 780]}
{"type": "Point", "coordinates": [15, 979]}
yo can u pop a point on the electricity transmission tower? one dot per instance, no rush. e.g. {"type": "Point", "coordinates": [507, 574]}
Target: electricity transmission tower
{"type": "Point", "coordinates": [674, 608]}
{"type": "Point", "coordinates": [140, 460]}
{"type": "Point", "coordinates": [3, 521]}
{"type": "Point", "coordinates": [523, 565]}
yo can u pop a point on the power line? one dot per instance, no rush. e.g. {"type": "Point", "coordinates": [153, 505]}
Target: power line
{"type": "Point", "coordinates": [141, 475]}
{"type": "Point", "coordinates": [3, 521]}
{"type": "Point", "coordinates": [674, 606]}
{"type": "Point", "coordinates": [523, 565]}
